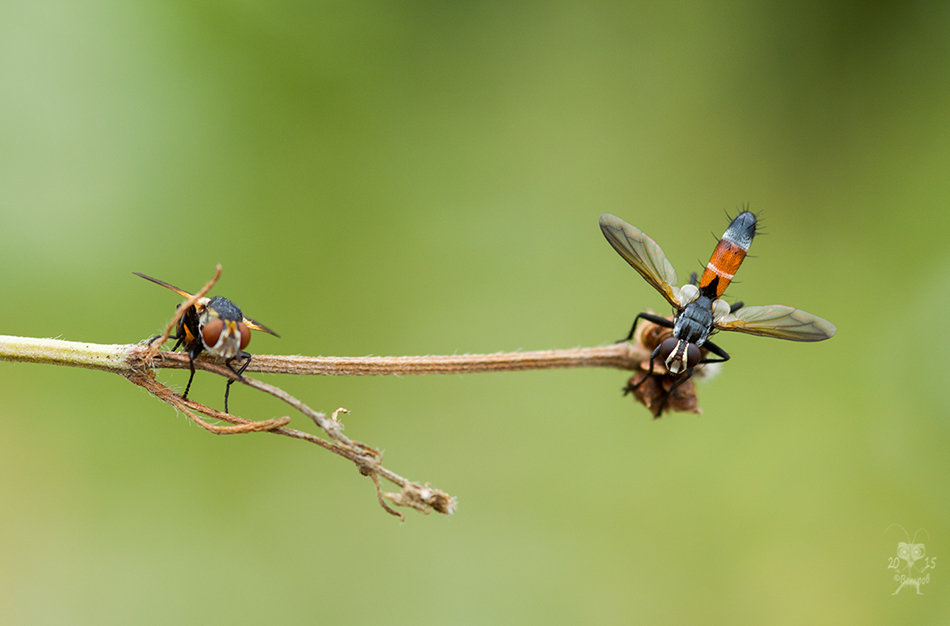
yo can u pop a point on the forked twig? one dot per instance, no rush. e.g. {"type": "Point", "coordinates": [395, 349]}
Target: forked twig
{"type": "Point", "coordinates": [369, 460]}
{"type": "Point", "coordinates": [191, 408]}
{"type": "Point", "coordinates": [138, 363]}
{"type": "Point", "coordinates": [366, 458]}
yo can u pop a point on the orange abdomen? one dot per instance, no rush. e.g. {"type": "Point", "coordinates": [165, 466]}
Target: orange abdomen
{"type": "Point", "coordinates": [725, 261]}
{"type": "Point", "coordinates": [728, 255]}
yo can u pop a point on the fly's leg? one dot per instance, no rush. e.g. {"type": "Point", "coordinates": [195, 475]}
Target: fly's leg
{"type": "Point", "coordinates": [191, 365]}
{"type": "Point", "coordinates": [722, 354]}
{"type": "Point", "coordinates": [656, 319]}
{"type": "Point", "coordinates": [666, 396]}
{"type": "Point", "coordinates": [659, 321]}
{"type": "Point", "coordinates": [227, 389]}
{"type": "Point", "coordinates": [710, 346]}
{"type": "Point", "coordinates": [179, 336]}
{"type": "Point", "coordinates": [694, 279]}
{"type": "Point", "coordinates": [735, 307]}
{"type": "Point", "coordinates": [631, 386]}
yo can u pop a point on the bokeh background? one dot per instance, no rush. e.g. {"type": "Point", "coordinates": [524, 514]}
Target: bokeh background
{"type": "Point", "coordinates": [426, 178]}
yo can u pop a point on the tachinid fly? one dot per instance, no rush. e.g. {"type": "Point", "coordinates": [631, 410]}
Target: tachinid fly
{"type": "Point", "coordinates": [217, 326]}
{"type": "Point", "coordinates": [698, 310]}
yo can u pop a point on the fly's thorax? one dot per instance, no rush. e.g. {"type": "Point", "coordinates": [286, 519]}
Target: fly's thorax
{"type": "Point", "coordinates": [694, 322]}
{"type": "Point", "coordinates": [225, 309]}
{"type": "Point", "coordinates": [691, 328]}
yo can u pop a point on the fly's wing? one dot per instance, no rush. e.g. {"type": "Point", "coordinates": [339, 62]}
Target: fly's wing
{"type": "Point", "coordinates": [779, 321]}
{"type": "Point", "coordinates": [643, 254]}
{"type": "Point", "coordinates": [177, 290]}
{"type": "Point", "coordinates": [250, 323]}
{"type": "Point", "coordinates": [199, 305]}
{"type": "Point", "coordinates": [255, 325]}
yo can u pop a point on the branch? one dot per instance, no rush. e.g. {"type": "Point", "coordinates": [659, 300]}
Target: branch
{"type": "Point", "coordinates": [138, 362]}
{"type": "Point", "coordinates": [624, 356]}
{"type": "Point", "coordinates": [126, 358]}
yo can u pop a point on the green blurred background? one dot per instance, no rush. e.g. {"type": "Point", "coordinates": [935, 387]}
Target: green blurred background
{"type": "Point", "coordinates": [425, 178]}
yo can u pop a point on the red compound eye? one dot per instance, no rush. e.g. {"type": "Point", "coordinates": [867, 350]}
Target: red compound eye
{"type": "Point", "coordinates": [666, 348]}
{"type": "Point", "coordinates": [211, 332]}
{"type": "Point", "coordinates": [245, 334]}
{"type": "Point", "coordinates": [692, 355]}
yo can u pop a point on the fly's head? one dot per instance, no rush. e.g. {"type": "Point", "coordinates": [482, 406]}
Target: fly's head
{"type": "Point", "coordinates": [678, 355]}
{"type": "Point", "coordinates": [223, 331]}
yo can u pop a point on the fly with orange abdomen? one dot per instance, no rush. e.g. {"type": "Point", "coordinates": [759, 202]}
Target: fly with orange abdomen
{"type": "Point", "coordinates": [698, 311]}
{"type": "Point", "coordinates": [215, 325]}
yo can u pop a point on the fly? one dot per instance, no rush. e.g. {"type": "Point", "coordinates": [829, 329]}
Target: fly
{"type": "Point", "coordinates": [698, 310]}
{"type": "Point", "coordinates": [216, 325]}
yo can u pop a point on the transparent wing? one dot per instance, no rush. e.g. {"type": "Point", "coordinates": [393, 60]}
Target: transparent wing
{"type": "Point", "coordinates": [779, 321]}
{"type": "Point", "coordinates": [177, 290]}
{"type": "Point", "coordinates": [255, 325]}
{"type": "Point", "coordinates": [250, 323]}
{"type": "Point", "coordinates": [643, 254]}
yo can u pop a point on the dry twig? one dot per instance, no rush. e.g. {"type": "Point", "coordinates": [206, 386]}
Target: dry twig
{"type": "Point", "coordinates": [367, 459]}
{"type": "Point", "coordinates": [138, 362]}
